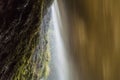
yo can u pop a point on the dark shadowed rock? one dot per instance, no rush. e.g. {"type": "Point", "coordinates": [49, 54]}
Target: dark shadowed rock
{"type": "Point", "coordinates": [19, 35]}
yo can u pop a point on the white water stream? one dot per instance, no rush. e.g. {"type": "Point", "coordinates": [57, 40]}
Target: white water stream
{"type": "Point", "coordinates": [59, 59]}
{"type": "Point", "coordinates": [62, 64]}
{"type": "Point", "coordinates": [62, 67]}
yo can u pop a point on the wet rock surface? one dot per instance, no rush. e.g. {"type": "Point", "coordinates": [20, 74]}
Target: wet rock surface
{"type": "Point", "coordinates": [20, 33]}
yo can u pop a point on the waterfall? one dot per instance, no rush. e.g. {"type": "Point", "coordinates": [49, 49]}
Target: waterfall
{"type": "Point", "coordinates": [59, 59]}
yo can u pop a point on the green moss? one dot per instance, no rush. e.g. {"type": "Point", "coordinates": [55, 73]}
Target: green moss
{"type": "Point", "coordinates": [18, 64]}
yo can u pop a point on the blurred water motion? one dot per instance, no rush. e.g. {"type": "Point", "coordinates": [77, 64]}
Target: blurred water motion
{"type": "Point", "coordinates": [94, 37]}
{"type": "Point", "coordinates": [61, 65]}
{"type": "Point", "coordinates": [60, 59]}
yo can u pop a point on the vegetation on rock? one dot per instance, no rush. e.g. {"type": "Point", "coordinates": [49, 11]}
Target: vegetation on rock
{"type": "Point", "coordinates": [19, 36]}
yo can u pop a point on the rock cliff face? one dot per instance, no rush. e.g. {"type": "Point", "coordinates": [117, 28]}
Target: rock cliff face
{"type": "Point", "coordinates": [19, 36]}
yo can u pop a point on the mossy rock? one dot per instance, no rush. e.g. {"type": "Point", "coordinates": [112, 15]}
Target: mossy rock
{"type": "Point", "coordinates": [20, 22]}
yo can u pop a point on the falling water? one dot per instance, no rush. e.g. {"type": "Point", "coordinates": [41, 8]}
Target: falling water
{"type": "Point", "coordinates": [60, 59]}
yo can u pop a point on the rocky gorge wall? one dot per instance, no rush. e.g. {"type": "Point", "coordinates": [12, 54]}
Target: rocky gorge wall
{"type": "Point", "coordinates": [20, 33]}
